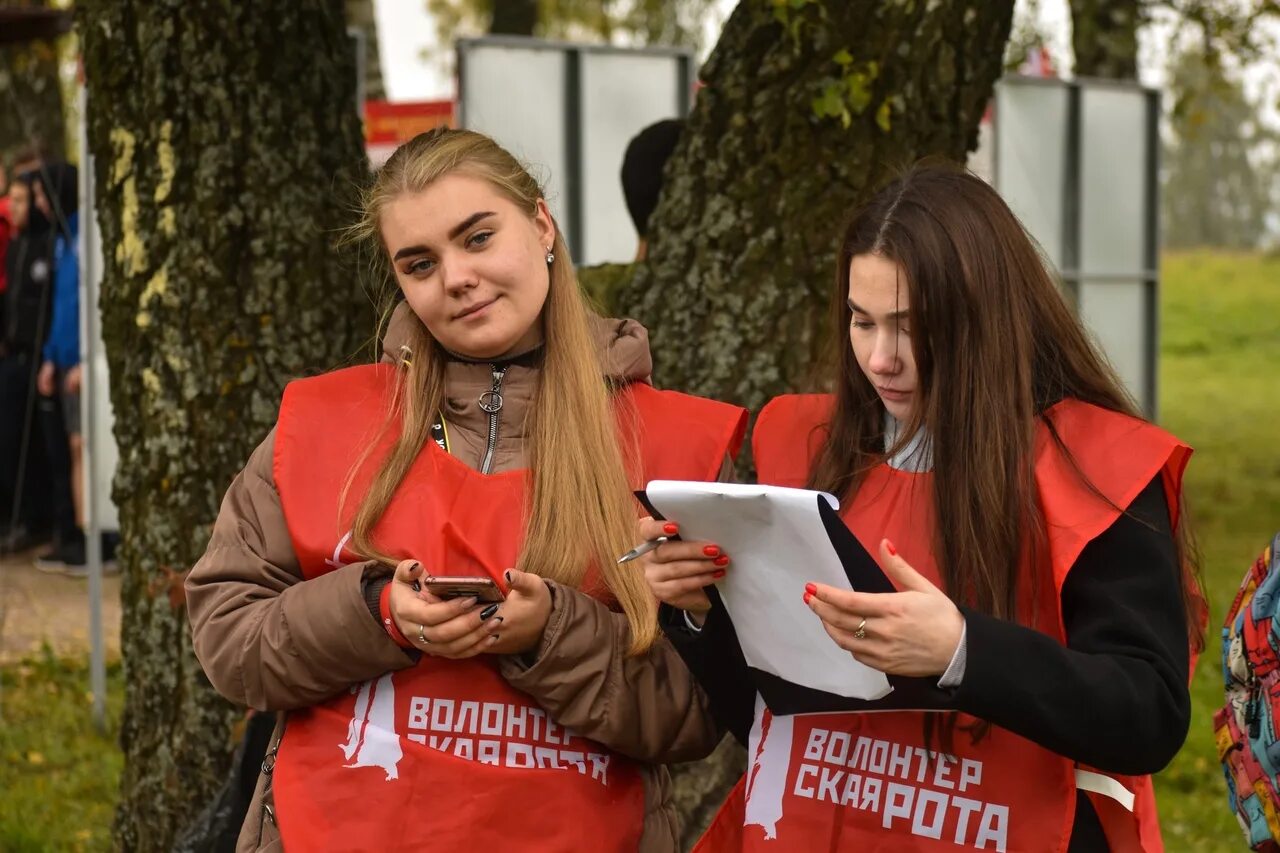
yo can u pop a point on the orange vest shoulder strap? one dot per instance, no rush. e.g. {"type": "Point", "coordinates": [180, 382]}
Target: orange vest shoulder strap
{"type": "Point", "coordinates": [356, 388]}
{"type": "Point", "coordinates": [1112, 457]}
{"type": "Point", "coordinates": [788, 435]}
{"type": "Point", "coordinates": [682, 436]}
{"type": "Point", "coordinates": [330, 417]}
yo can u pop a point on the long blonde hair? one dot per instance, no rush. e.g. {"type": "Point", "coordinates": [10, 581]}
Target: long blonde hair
{"type": "Point", "coordinates": [581, 513]}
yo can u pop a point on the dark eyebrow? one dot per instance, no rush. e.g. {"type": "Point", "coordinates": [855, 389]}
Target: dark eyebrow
{"type": "Point", "coordinates": [453, 233]}
{"type": "Point", "coordinates": [468, 222]}
{"type": "Point", "coordinates": [409, 250]}
{"type": "Point", "coordinates": [896, 315]}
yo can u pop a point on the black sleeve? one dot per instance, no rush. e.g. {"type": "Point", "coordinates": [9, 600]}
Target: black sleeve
{"type": "Point", "coordinates": [1115, 697]}
{"type": "Point", "coordinates": [714, 655]}
{"type": "Point", "coordinates": [715, 658]}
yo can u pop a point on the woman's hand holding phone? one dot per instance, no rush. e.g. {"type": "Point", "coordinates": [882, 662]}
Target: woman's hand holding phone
{"type": "Point", "coordinates": [524, 614]}
{"type": "Point", "coordinates": [454, 628]}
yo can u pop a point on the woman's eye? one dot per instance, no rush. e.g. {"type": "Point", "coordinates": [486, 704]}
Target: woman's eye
{"type": "Point", "coordinates": [479, 239]}
{"type": "Point", "coordinates": [862, 324]}
{"type": "Point", "coordinates": [420, 266]}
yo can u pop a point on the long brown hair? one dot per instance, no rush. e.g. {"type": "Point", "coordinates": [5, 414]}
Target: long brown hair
{"type": "Point", "coordinates": [580, 510]}
{"type": "Point", "coordinates": [995, 346]}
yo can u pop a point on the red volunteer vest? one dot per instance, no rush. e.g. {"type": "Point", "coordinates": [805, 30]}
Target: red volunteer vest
{"type": "Point", "coordinates": [864, 781]}
{"type": "Point", "coordinates": [446, 755]}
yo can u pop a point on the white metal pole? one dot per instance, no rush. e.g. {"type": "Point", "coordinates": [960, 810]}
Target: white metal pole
{"type": "Point", "coordinates": [89, 391]}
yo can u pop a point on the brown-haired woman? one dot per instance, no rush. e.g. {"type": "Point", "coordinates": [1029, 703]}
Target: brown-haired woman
{"type": "Point", "coordinates": [1038, 641]}
{"type": "Point", "coordinates": [506, 428]}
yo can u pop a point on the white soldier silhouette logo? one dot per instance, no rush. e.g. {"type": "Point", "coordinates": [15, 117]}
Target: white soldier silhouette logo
{"type": "Point", "coordinates": [770, 750]}
{"type": "Point", "coordinates": [371, 735]}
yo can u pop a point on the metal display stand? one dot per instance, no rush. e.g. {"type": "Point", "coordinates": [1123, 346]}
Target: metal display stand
{"type": "Point", "coordinates": [568, 111]}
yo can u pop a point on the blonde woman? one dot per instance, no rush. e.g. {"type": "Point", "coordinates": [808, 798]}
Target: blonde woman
{"type": "Point", "coordinates": [500, 440]}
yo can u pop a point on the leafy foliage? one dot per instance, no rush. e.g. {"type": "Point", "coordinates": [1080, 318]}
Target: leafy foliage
{"type": "Point", "coordinates": [30, 99]}
{"type": "Point", "coordinates": [1219, 182]}
{"type": "Point", "coordinates": [668, 22]}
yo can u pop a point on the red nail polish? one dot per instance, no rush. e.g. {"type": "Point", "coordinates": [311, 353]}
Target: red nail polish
{"type": "Point", "coordinates": [718, 574]}
{"type": "Point", "coordinates": [888, 546]}
{"type": "Point", "coordinates": [810, 589]}
{"type": "Point", "coordinates": [711, 550]}
{"type": "Point", "coordinates": [807, 596]}
{"type": "Point", "coordinates": [670, 529]}
{"type": "Point", "coordinates": [722, 560]}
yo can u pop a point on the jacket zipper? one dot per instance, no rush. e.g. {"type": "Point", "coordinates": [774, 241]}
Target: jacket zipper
{"type": "Point", "coordinates": [491, 402]}
{"type": "Point", "coordinates": [268, 798]}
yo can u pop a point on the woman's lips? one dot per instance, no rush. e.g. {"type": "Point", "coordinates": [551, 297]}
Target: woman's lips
{"type": "Point", "coordinates": [893, 394]}
{"type": "Point", "coordinates": [473, 310]}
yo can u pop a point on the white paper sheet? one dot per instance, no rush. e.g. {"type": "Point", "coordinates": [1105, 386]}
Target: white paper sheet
{"type": "Point", "coordinates": [777, 544]}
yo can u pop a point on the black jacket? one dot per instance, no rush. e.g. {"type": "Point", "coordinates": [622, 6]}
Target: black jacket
{"type": "Point", "coordinates": [1114, 697]}
{"type": "Point", "coordinates": [29, 296]}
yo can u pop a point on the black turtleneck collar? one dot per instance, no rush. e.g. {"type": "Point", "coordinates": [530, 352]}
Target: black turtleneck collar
{"type": "Point", "coordinates": [529, 358]}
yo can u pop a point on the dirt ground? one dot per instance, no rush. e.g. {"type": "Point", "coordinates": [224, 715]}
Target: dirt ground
{"type": "Point", "coordinates": [38, 607]}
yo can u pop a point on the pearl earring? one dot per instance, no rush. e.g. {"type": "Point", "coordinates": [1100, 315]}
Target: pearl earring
{"type": "Point", "coordinates": [551, 257]}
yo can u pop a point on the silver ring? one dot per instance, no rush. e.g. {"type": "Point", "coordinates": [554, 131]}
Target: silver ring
{"type": "Point", "coordinates": [422, 638]}
{"type": "Point", "coordinates": [860, 633]}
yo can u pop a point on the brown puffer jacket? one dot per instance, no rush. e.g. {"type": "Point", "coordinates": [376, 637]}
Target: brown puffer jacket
{"type": "Point", "coordinates": [269, 641]}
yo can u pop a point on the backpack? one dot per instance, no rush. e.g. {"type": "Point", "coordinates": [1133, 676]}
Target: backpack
{"type": "Point", "coordinates": [217, 828]}
{"type": "Point", "coordinates": [1246, 726]}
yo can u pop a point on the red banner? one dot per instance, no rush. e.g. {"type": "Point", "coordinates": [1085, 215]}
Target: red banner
{"type": "Point", "coordinates": [388, 125]}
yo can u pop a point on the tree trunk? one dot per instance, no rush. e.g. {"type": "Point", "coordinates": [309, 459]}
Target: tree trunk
{"type": "Point", "coordinates": [360, 15]}
{"type": "Point", "coordinates": [514, 17]}
{"type": "Point", "coordinates": [742, 246]}
{"type": "Point", "coordinates": [1104, 35]}
{"type": "Point", "coordinates": [221, 133]}
{"type": "Point", "coordinates": [30, 99]}
{"type": "Point", "coordinates": [698, 788]}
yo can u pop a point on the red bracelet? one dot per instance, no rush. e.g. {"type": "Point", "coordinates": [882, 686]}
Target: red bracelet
{"type": "Point", "coordinates": [384, 610]}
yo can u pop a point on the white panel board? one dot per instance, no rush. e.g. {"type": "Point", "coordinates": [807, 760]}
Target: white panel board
{"type": "Point", "coordinates": [1032, 132]}
{"type": "Point", "coordinates": [621, 95]}
{"type": "Point", "coordinates": [1115, 313]}
{"type": "Point", "coordinates": [1113, 180]}
{"type": "Point", "coordinates": [517, 96]}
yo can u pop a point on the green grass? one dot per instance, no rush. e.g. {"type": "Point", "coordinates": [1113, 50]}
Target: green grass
{"type": "Point", "coordinates": [1220, 392]}
{"type": "Point", "coordinates": [58, 776]}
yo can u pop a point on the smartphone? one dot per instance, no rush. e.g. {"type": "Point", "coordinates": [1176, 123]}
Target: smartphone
{"type": "Point", "coordinates": [482, 589]}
